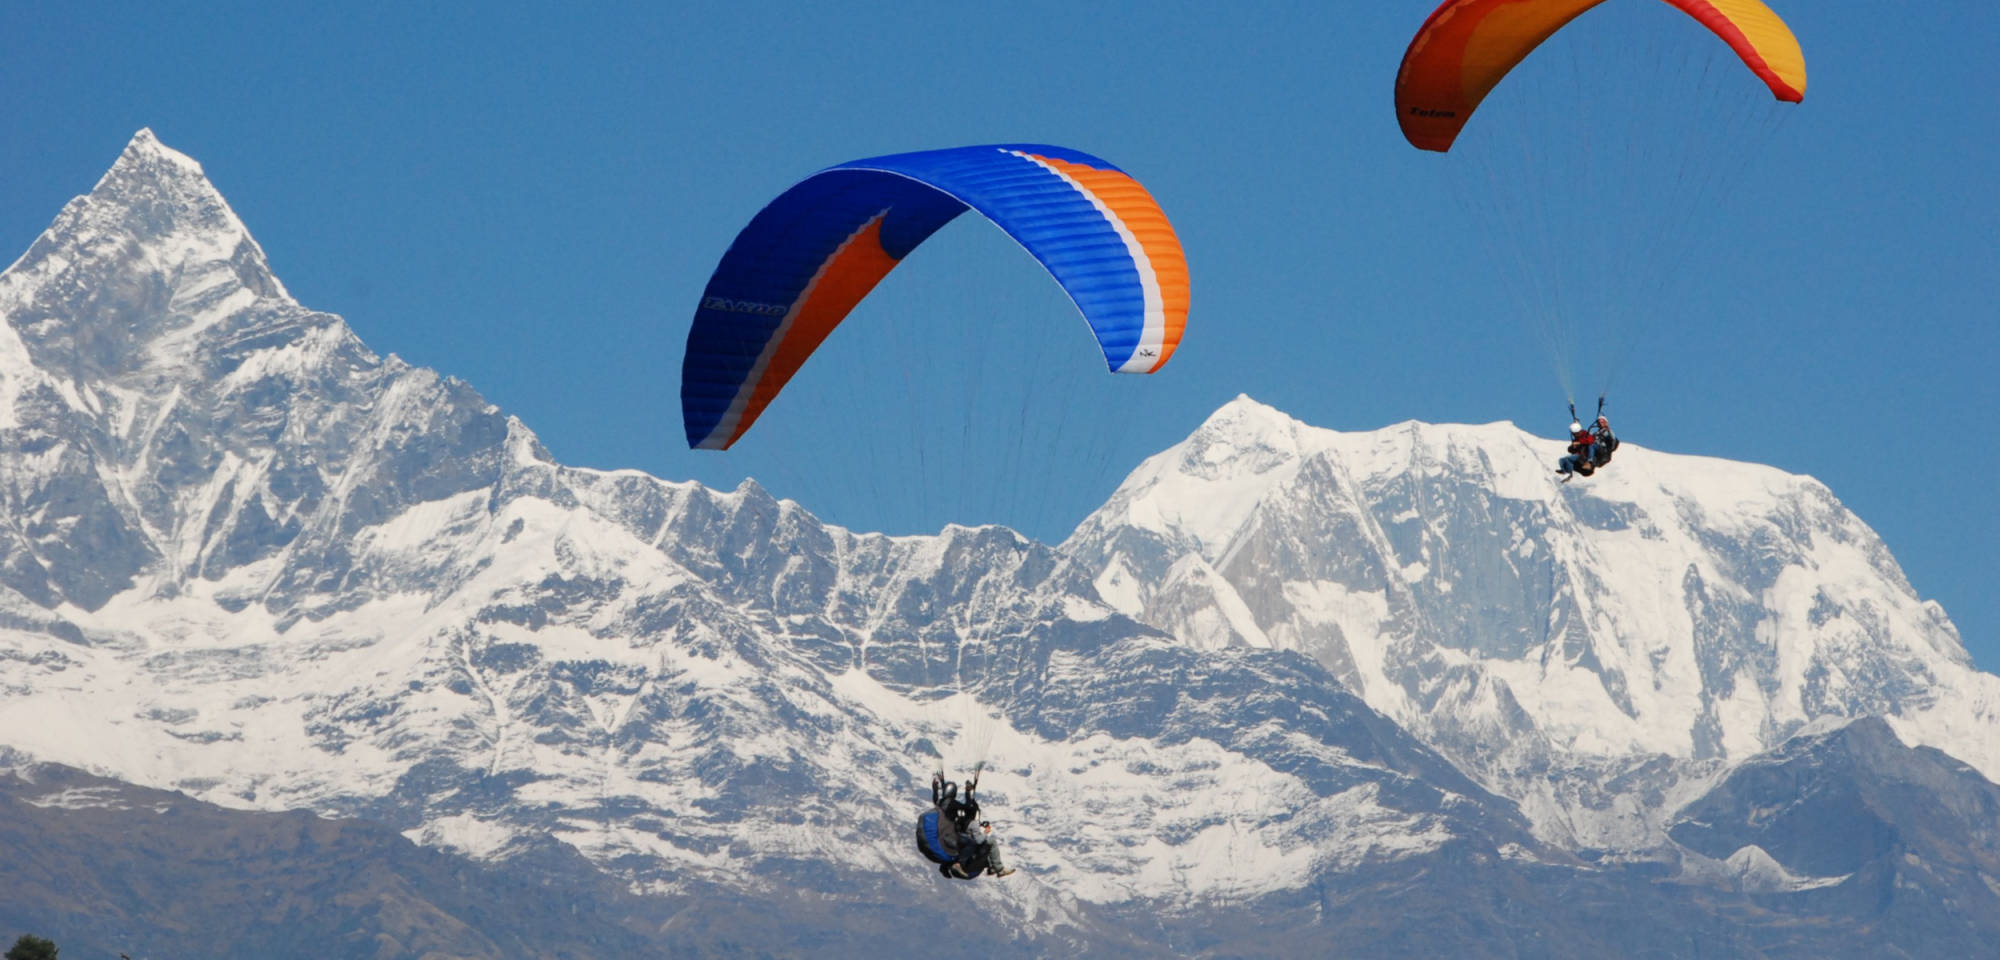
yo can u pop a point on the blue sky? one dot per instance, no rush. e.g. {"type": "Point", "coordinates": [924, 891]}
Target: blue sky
{"type": "Point", "coordinates": [530, 197]}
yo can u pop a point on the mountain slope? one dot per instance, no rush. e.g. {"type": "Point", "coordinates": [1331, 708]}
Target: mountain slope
{"type": "Point", "coordinates": [1884, 841]}
{"type": "Point", "coordinates": [190, 879]}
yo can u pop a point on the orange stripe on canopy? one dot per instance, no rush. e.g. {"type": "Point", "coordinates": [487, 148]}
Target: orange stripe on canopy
{"type": "Point", "coordinates": [1140, 213]}
{"type": "Point", "coordinates": [1467, 46]}
{"type": "Point", "coordinates": [847, 276]}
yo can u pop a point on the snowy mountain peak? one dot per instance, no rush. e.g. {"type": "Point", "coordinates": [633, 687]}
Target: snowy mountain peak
{"type": "Point", "coordinates": [1203, 490]}
{"type": "Point", "coordinates": [158, 196]}
{"type": "Point", "coordinates": [178, 415]}
{"type": "Point", "coordinates": [145, 148]}
{"type": "Point", "coordinates": [1671, 606]}
{"type": "Point", "coordinates": [1244, 414]}
{"type": "Point", "coordinates": [134, 273]}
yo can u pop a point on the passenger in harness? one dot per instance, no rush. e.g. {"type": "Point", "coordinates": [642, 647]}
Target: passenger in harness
{"type": "Point", "coordinates": [1582, 459]}
{"type": "Point", "coordinates": [948, 836]}
{"type": "Point", "coordinates": [1606, 442]}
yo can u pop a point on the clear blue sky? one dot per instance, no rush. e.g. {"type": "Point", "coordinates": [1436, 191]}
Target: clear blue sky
{"type": "Point", "coordinates": [530, 197]}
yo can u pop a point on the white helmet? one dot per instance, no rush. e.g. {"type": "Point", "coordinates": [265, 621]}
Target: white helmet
{"type": "Point", "coordinates": [1575, 427]}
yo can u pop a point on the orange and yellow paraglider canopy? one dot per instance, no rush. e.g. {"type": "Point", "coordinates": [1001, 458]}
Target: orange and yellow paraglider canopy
{"type": "Point", "coordinates": [1467, 46]}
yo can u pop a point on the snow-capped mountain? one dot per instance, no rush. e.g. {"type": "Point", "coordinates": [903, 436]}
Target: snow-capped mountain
{"type": "Point", "coordinates": [1596, 650]}
{"type": "Point", "coordinates": [250, 559]}
{"type": "Point", "coordinates": [246, 558]}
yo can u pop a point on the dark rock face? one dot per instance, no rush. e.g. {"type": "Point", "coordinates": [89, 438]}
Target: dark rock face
{"type": "Point", "coordinates": [1854, 801]}
{"type": "Point", "coordinates": [1868, 847]}
{"type": "Point", "coordinates": [105, 868]}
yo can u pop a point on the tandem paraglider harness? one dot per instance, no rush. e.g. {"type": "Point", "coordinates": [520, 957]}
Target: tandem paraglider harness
{"type": "Point", "coordinates": [1601, 444]}
{"type": "Point", "coordinates": [944, 831]}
